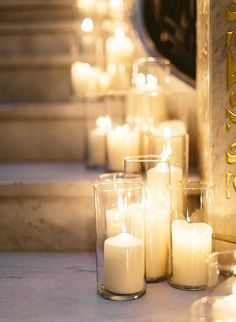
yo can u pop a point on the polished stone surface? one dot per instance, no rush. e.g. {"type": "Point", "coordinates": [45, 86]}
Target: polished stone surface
{"type": "Point", "coordinates": [53, 287]}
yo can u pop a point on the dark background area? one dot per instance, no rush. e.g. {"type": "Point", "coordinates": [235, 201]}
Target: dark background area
{"type": "Point", "coordinates": [171, 26]}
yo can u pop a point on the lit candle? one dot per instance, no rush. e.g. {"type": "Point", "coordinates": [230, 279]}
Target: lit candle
{"type": "Point", "coordinates": [191, 243]}
{"type": "Point", "coordinates": [84, 79]}
{"type": "Point", "coordinates": [124, 264]}
{"type": "Point", "coordinates": [121, 142]}
{"type": "Point", "coordinates": [224, 310]}
{"type": "Point", "coordinates": [119, 49]}
{"type": "Point", "coordinates": [97, 142]}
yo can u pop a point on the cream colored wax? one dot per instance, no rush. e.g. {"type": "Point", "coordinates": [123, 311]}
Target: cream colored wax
{"type": "Point", "coordinates": [191, 243]}
{"type": "Point", "coordinates": [124, 264]}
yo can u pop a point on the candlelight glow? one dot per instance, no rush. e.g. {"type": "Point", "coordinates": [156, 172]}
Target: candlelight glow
{"type": "Point", "coordinates": [103, 122]}
{"type": "Point", "coordinates": [87, 25]}
{"type": "Point", "coordinates": [166, 152]}
{"type": "Point", "coordinates": [119, 32]}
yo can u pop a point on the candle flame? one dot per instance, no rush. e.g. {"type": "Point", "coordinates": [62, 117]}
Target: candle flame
{"type": "Point", "coordinates": [166, 131]}
{"type": "Point", "coordinates": [123, 228]}
{"type": "Point", "coordinates": [166, 152]}
{"type": "Point", "coordinates": [103, 122]}
{"type": "Point", "coordinates": [87, 25]}
{"type": "Point", "coordinates": [119, 32]}
{"type": "Point", "coordinates": [151, 81]}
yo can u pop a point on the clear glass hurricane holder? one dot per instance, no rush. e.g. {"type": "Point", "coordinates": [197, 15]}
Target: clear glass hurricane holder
{"type": "Point", "coordinates": [191, 233]}
{"type": "Point", "coordinates": [120, 245]}
{"type": "Point", "coordinates": [155, 173]}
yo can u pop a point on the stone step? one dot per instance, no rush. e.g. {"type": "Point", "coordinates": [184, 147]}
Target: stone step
{"type": "Point", "coordinates": [37, 10]}
{"type": "Point", "coordinates": [35, 79]}
{"type": "Point", "coordinates": [50, 132]}
{"type": "Point", "coordinates": [40, 39]}
{"type": "Point", "coordinates": [46, 206]}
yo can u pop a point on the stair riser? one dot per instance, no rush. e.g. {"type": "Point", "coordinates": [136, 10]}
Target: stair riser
{"type": "Point", "coordinates": [42, 140]}
{"type": "Point", "coordinates": [35, 83]}
{"type": "Point", "coordinates": [46, 224]}
{"type": "Point", "coordinates": [39, 44]}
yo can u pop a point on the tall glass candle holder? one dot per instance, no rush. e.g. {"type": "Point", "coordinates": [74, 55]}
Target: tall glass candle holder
{"type": "Point", "coordinates": [156, 175]}
{"type": "Point", "coordinates": [222, 272]}
{"type": "Point", "coordinates": [191, 234]}
{"type": "Point", "coordinates": [172, 145]}
{"type": "Point", "coordinates": [120, 245]}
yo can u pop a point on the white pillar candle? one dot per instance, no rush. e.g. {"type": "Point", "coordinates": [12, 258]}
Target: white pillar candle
{"type": "Point", "coordinates": [124, 264]}
{"type": "Point", "coordinates": [157, 237]}
{"type": "Point", "coordinates": [97, 142]}
{"type": "Point", "coordinates": [121, 142]}
{"type": "Point", "coordinates": [191, 243]}
{"type": "Point", "coordinates": [119, 49]}
{"type": "Point", "coordinates": [224, 310]}
{"type": "Point", "coordinates": [158, 179]}
{"type": "Point", "coordinates": [84, 79]}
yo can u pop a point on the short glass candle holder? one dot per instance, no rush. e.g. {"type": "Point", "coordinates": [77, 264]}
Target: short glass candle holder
{"type": "Point", "coordinates": [214, 309]}
{"type": "Point", "coordinates": [222, 272]}
{"type": "Point", "coordinates": [191, 234]}
{"type": "Point", "coordinates": [174, 146]}
{"type": "Point", "coordinates": [156, 176]}
{"type": "Point", "coordinates": [120, 245]}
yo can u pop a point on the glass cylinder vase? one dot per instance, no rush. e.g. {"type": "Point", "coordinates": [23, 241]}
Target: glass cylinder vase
{"type": "Point", "coordinates": [120, 247]}
{"type": "Point", "coordinates": [155, 173]}
{"type": "Point", "coordinates": [191, 234]}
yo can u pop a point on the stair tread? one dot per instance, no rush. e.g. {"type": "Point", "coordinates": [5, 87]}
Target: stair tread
{"type": "Point", "coordinates": [45, 172]}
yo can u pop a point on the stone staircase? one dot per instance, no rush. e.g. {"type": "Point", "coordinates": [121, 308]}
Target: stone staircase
{"type": "Point", "coordinates": [46, 200]}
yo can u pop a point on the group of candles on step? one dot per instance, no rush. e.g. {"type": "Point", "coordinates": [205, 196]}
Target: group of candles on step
{"type": "Point", "coordinates": [106, 47]}
{"type": "Point", "coordinates": [143, 230]}
{"type": "Point", "coordinates": [150, 228]}
{"type": "Point", "coordinates": [109, 144]}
